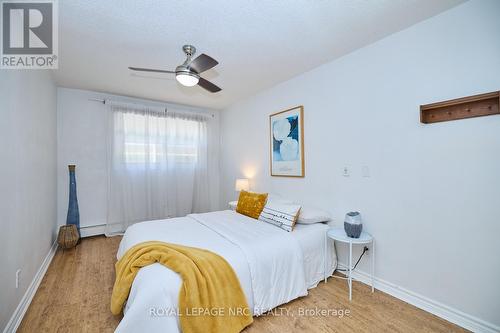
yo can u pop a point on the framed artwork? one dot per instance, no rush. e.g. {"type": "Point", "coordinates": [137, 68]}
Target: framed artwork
{"type": "Point", "coordinates": [287, 142]}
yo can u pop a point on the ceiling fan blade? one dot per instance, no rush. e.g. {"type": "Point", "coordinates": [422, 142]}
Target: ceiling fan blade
{"type": "Point", "coordinates": [202, 63]}
{"type": "Point", "coordinates": [208, 85]}
{"type": "Point", "coordinates": [150, 70]}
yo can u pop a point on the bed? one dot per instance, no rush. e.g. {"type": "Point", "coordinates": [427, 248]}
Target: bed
{"type": "Point", "coordinates": [272, 265]}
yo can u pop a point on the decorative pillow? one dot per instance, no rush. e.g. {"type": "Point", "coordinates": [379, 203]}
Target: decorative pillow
{"type": "Point", "coordinates": [282, 215]}
{"type": "Point", "coordinates": [251, 204]}
{"type": "Point", "coordinates": [310, 215]}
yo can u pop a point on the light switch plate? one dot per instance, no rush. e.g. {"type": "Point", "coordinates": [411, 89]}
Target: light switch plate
{"type": "Point", "coordinates": [365, 171]}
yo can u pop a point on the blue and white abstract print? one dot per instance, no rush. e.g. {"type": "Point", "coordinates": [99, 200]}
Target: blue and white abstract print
{"type": "Point", "coordinates": [287, 155]}
{"type": "Point", "coordinates": [286, 139]}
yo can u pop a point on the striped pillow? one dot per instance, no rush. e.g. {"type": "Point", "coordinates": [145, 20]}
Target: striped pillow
{"type": "Point", "coordinates": [282, 215]}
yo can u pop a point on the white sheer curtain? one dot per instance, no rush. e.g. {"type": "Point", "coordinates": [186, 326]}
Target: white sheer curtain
{"type": "Point", "coordinates": [157, 165]}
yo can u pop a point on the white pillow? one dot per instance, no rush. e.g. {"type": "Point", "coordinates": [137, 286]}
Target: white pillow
{"type": "Point", "coordinates": [276, 198]}
{"type": "Point", "coordinates": [310, 215]}
{"type": "Point", "coordinates": [282, 215]}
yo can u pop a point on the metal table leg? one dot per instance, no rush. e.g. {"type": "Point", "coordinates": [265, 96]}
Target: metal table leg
{"type": "Point", "coordinates": [350, 271]}
{"type": "Point", "coordinates": [373, 264]}
{"type": "Point", "coordinates": [326, 253]}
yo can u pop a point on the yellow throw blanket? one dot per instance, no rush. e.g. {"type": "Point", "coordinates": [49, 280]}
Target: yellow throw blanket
{"type": "Point", "coordinates": [211, 298]}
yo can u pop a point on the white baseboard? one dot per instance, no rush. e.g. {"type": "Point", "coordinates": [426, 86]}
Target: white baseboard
{"type": "Point", "coordinates": [439, 309]}
{"type": "Point", "coordinates": [25, 302]}
{"type": "Point", "coordinates": [93, 230]}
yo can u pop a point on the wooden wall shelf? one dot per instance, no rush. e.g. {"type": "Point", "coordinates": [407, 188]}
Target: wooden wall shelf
{"type": "Point", "coordinates": [461, 108]}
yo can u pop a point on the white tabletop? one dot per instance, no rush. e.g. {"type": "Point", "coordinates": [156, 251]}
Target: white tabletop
{"type": "Point", "coordinates": [339, 234]}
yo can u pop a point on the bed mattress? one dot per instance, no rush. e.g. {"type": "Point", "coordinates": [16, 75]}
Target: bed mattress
{"type": "Point", "coordinates": [273, 266]}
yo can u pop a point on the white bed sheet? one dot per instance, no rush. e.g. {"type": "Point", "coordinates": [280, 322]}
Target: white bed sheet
{"type": "Point", "coordinates": [154, 293]}
{"type": "Point", "coordinates": [310, 237]}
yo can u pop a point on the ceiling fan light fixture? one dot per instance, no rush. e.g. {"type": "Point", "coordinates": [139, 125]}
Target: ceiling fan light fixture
{"type": "Point", "coordinates": [188, 73]}
{"type": "Point", "coordinates": [187, 79]}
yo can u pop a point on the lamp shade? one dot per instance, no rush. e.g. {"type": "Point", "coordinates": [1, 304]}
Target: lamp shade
{"type": "Point", "coordinates": [242, 185]}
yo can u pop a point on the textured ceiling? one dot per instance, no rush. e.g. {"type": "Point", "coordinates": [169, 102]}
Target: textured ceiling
{"type": "Point", "coordinates": [257, 43]}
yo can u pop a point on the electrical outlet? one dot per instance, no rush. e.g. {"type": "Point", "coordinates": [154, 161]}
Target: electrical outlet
{"type": "Point", "coordinates": [18, 275]}
{"type": "Point", "coordinates": [366, 249]}
{"type": "Point", "coordinates": [346, 172]}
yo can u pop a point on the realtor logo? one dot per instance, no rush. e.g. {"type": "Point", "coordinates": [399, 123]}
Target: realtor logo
{"type": "Point", "coordinates": [29, 34]}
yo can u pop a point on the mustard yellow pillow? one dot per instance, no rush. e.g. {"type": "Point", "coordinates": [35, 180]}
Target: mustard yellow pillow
{"type": "Point", "coordinates": [251, 204]}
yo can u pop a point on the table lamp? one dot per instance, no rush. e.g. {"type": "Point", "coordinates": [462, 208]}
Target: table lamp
{"type": "Point", "coordinates": [242, 185]}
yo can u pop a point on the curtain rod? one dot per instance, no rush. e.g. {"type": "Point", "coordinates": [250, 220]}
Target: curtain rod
{"type": "Point", "coordinates": [103, 101]}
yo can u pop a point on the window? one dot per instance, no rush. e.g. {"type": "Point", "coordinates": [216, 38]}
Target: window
{"type": "Point", "coordinates": [156, 139]}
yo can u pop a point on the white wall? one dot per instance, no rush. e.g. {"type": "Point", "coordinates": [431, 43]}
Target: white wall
{"type": "Point", "coordinates": [433, 199]}
{"type": "Point", "coordinates": [81, 134]}
{"type": "Point", "coordinates": [27, 180]}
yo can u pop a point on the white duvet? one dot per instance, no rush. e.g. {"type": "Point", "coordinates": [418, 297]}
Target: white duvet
{"type": "Point", "coordinates": [273, 266]}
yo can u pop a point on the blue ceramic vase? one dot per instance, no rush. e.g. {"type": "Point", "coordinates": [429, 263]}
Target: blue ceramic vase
{"type": "Point", "coordinates": [73, 212]}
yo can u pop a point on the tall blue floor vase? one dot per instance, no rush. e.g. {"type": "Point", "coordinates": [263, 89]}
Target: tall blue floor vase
{"type": "Point", "coordinates": [73, 212]}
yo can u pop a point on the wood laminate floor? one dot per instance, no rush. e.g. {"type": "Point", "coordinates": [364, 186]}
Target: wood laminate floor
{"type": "Point", "coordinates": [75, 293]}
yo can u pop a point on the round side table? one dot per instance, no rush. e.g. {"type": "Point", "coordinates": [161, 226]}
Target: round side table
{"type": "Point", "coordinates": [338, 234]}
{"type": "Point", "coordinates": [232, 204]}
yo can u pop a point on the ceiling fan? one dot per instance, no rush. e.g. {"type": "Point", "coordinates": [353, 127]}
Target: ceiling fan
{"type": "Point", "coordinates": [188, 74]}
